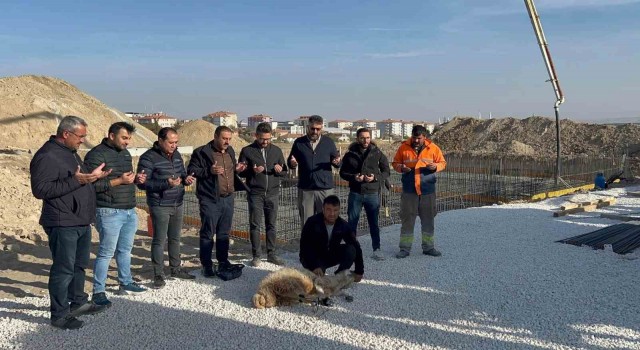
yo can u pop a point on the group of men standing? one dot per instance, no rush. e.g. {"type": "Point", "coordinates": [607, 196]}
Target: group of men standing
{"type": "Point", "coordinates": [101, 190]}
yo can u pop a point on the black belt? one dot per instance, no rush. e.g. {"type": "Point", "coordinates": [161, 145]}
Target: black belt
{"type": "Point", "coordinates": [225, 195]}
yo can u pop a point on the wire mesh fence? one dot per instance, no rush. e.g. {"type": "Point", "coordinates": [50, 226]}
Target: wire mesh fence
{"type": "Point", "coordinates": [466, 182]}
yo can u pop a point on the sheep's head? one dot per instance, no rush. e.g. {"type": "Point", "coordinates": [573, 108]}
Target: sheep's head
{"type": "Point", "coordinates": [327, 286]}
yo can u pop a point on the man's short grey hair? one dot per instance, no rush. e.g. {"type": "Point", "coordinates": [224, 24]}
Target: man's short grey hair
{"type": "Point", "coordinates": [70, 123]}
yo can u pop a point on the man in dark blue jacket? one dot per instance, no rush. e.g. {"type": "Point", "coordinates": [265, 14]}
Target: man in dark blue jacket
{"type": "Point", "coordinates": [116, 217]}
{"type": "Point", "coordinates": [367, 169]}
{"type": "Point", "coordinates": [265, 166]}
{"type": "Point", "coordinates": [314, 156]}
{"type": "Point", "coordinates": [166, 175]}
{"type": "Point", "coordinates": [215, 168]}
{"type": "Point", "coordinates": [327, 240]}
{"type": "Point", "coordinates": [61, 180]}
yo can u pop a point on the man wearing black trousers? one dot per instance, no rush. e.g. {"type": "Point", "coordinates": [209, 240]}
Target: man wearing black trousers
{"type": "Point", "coordinates": [327, 240]}
{"type": "Point", "coordinates": [265, 166]}
{"type": "Point", "coordinates": [61, 180]}
{"type": "Point", "coordinates": [166, 178]}
{"type": "Point", "coordinates": [215, 168]}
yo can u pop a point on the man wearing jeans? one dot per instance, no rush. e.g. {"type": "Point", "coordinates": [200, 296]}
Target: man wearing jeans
{"type": "Point", "coordinates": [418, 159]}
{"type": "Point", "coordinates": [215, 167]}
{"type": "Point", "coordinates": [265, 166]}
{"type": "Point", "coordinates": [166, 175]}
{"type": "Point", "coordinates": [366, 168]}
{"type": "Point", "coordinates": [60, 179]}
{"type": "Point", "coordinates": [116, 218]}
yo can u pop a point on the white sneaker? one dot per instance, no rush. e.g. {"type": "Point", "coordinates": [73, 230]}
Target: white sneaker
{"type": "Point", "coordinates": [377, 255]}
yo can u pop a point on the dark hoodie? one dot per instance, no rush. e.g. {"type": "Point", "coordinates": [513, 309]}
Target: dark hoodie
{"type": "Point", "coordinates": [66, 202]}
{"type": "Point", "coordinates": [365, 161]}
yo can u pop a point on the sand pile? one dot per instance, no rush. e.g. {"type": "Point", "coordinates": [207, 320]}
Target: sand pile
{"type": "Point", "coordinates": [32, 105]}
{"type": "Point", "coordinates": [533, 137]}
{"type": "Point", "coordinates": [200, 132]}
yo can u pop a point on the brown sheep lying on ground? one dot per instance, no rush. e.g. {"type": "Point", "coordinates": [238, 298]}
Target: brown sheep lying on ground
{"type": "Point", "coordinates": [289, 286]}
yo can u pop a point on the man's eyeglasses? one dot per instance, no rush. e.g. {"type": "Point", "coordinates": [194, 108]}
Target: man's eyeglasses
{"type": "Point", "coordinates": [315, 129]}
{"type": "Point", "coordinates": [78, 136]}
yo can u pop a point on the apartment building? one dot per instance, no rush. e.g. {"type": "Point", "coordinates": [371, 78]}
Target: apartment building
{"type": "Point", "coordinates": [162, 119]}
{"type": "Point", "coordinates": [254, 120]}
{"type": "Point", "coordinates": [222, 118]}
{"type": "Point", "coordinates": [340, 124]}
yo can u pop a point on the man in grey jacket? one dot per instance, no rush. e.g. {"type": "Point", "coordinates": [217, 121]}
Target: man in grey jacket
{"type": "Point", "coordinates": [265, 166]}
{"type": "Point", "coordinates": [61, 180]}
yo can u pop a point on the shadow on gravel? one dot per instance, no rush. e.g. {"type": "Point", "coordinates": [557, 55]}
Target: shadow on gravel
{"type": "Point", "coordinates": [497, 285]}
{"type": "Point", "coordinates": [130, 324]}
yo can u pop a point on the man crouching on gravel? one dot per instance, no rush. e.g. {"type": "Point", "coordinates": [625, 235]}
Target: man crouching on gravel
{"type": "Point", "coordinates": [327, 240]}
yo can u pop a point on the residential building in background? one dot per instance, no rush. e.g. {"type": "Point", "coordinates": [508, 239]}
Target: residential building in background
{"type": "Point", "coordinates": [290, 127]}
{"type": "Point", "coordinates": [340, 124]}
{"type": "Point", "coordinates": [134, 114]}
{"type": "Point", "coordinates": [254, 120]}
{"type": "Point", "coordinates": [430, 127]}
{"type": "Point", "coordinates": [160, 118]}
{"type": "Point", "coordinates": [407, 127]}
{"type": "Point", "coordinates": [222, 118]}
{"type": "Point", "coordinates": [390, 128]}
{"type": "Point", "coordinates": [365, 123]}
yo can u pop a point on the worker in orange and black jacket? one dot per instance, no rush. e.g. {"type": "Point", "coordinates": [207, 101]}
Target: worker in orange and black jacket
{"type": "Point", "coordinates": [418, 159]}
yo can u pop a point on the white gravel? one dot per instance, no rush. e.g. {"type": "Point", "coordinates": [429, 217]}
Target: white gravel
{"type": "Point", "coordinates": [502, 282]}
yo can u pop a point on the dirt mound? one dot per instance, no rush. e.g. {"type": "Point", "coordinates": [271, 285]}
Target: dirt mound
{"type": "Point", "coordinates": [533, 137]}
{"type": "Point", "coordinates": [29, 113]}
{"type": "Point", "coordinates": [200, 132]}
{"type": "Point", "coordinates": [33, 105]}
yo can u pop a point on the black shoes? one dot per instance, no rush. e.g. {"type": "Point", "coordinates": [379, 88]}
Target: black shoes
{"type": "Point", "coordinates": [432, 252]}
{"type": "Point", "coordinates": [208, 272]}
{"type": "Point", "coordinates": [181, 274]}
{"type": "Point", "coordinates": [90, 308]}
{"type": "Point", "coordinates": [328, 302]}
{"type": "Point", "coordinates": [67, 322]}
{"type": "Point", "coordinates": [158, 282]}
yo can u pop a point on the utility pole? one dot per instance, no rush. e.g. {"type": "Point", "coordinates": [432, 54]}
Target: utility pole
{"type": "Point", "coordinates": [553, 77]}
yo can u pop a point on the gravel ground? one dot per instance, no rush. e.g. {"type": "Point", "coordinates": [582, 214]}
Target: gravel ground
{"type": "Point", "coordinates": [502, 282]}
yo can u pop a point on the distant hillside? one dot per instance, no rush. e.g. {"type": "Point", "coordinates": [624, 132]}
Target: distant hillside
{"type": "Point", "coordinates": [533, 137]}
{"type": "Point", "coordinates": [30, 108]}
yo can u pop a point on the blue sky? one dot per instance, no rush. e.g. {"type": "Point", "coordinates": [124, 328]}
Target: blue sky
{"type": "Point", "coordinates": [341, 59]}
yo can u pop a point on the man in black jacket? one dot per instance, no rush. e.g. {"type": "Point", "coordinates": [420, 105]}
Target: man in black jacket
{"type": "Point", "coordinates": [166, 175]}
{"type": "Point", "coordinates": [314, 156]}
{"type": "Point", "coordinates": [327, 240]}
{"type": "Point", "coordinates": [61, 180]}
{"type": "Point", "coordinates": [265, 165]}
{"type": "Point", "coordinates": [215, 168]}
{"type": "Point", "coordinates": [366, 168]}
{"type": "Point", "coordinates": [116, 218]}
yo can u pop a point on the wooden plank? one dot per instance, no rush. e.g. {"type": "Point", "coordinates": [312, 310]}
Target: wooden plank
{"type": "Point", "coordinates": [568, 211]}
{"type": "Point", "coordinates": [606, 203]}
{"type": "Point", "coordinates": [607, 199]}
{"type": "Point", "coordinates": [581, 209]}
{"type": "Point", "coordinates": [567, 206]}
